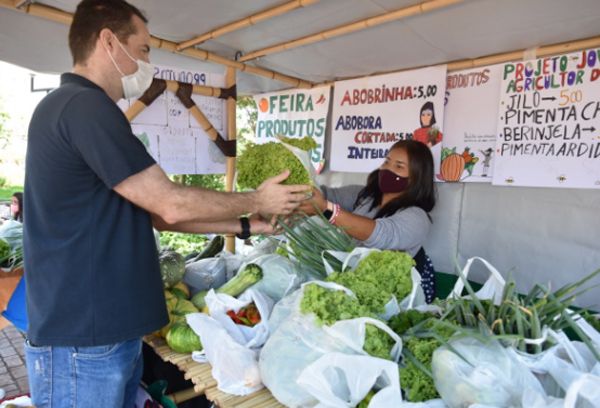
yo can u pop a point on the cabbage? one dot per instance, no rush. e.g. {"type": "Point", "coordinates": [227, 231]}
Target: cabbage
{"type": "Point", "coordinates": [182, 338]}
{"type": "Point", "coordinates": [172, 267]}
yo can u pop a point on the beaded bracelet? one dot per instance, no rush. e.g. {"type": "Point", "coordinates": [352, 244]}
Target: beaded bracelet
{"type": "Point", "coordinates": [336, 211]}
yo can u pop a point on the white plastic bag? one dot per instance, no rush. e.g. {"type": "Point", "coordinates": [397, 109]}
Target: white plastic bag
{"type": "Point", "coordinates": [234, 366]}
{"type": "Point", "coordinates": [302, 341]}
{"type": "Point", "coordinates": [491, 289]}
{"type": "Point", "coordinates": [491, 375]}
{"type": "Point", "coordinates": [253, 337]}
{"type": "Point", "coordinates": [280, 276]}
{"type": "Point", "coordinates": [205, 274]}
{"type": "Point", "coordinates": [304, 158]}
{"type": "Point", "coordinates": [336, 382]}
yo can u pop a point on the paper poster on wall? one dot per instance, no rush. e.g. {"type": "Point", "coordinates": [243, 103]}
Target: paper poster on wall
{"type": "Point", "coordinates": [294, 113]}
{"type": "Point", "coordinates": [371, 113]}
{"type": "Point", "coordinates": [470, 124]}
{"type": "Point", "coordinates": [177, 151]}
{"type": "Point", "coordinates": [549, 122]}
{"type": "Point", "coordinates": [167, 121]}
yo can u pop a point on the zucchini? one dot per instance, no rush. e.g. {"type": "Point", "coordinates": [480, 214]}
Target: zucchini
{"type": "Point", "coordinates": [215, 246]}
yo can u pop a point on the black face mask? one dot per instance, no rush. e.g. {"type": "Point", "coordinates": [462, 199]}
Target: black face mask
{"type": "Point", "coordinates": [390, 182]}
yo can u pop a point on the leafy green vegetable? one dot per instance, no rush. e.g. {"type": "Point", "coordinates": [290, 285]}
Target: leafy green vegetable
{"type": "Point", "coordinates": [377, 342]}
{"type": "Point", "coordinates": [4, 250]}
{"type": "Point", "coordinates": [182, 339]}
{"type": "Point", "coordinates": [377, 277]}
{"type": "Point", "coordinates": [304, 143]}
{"type": "Point", "coordinates": [418, 385]}
{"type": "Point", "coordinates": [330, 305]}
{"type": "Point", "coordinates": [247, 277]}
{"type": "Point", "coordinates": [182, 243]}
{"type": "Point", "coordinates": [405, 320]}
{"type": "Point", "coordinates": [260, 162]}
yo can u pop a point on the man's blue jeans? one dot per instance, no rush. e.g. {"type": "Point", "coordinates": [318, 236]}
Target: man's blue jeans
{"type": "Point", "coordinates": [81, 377]}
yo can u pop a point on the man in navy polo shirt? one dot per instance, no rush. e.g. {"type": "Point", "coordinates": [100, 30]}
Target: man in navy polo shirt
{"type": "Point", "coordinates": [93, 195]}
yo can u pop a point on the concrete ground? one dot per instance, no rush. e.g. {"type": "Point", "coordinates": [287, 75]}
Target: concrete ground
{"type": "Point", "coordinates": [13, 373]}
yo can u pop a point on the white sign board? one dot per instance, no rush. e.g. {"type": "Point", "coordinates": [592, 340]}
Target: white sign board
{"type": "Point", "coordinates": [172, 135]}
{"type": "Point", "coordinates": [371, 113]}
{"type": "Point", "coordinates": [549, 122]}
{"type": "Point", "coordinates": [470, 123]}
{"type": "Point", "coordinates": [294, 113]}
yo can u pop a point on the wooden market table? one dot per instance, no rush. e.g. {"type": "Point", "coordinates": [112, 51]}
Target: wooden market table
{"type": "Point", "coordinates": [200, 375]}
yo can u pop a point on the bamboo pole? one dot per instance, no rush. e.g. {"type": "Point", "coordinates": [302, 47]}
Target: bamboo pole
{"type": "Point", "coordinates": [399, 14]}
{"type": "Point", "coordinates": [184, 395]}
{"type": "Point", "coordinates": [245, 22]}
{"type": "Point", "coordinates": [53, 14]}
{"type": "Point", "coordinates": [544, 51]}
{"type": "Point", "coordinates": [230, 80]}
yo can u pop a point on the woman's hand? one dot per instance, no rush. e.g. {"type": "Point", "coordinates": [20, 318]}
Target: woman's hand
{"type": "Point", "coordinates": [310, 205]}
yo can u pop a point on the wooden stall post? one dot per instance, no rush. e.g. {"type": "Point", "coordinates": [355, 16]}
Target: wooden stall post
{"type": "Point", "coordinates": [230, 80]}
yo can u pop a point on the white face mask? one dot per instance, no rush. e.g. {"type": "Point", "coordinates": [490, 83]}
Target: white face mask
{"type": "Point", "coordinates": [134, 85]}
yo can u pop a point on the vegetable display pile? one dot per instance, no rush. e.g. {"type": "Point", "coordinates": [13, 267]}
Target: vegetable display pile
{"type": "Point", "coordinates": [247, 315]}
{"type": "Point", "coordinates": [377, 277]}
{"type": "Point", "coordinates": [262, 161]}
{"type": "Point", "coordinates": [245, 278]}
{"type": "Point", "coordinates": [331, 305]}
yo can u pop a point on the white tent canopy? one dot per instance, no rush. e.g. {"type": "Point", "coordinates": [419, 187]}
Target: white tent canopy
{"type": "Point", "coordinates": [539, 234]}
{"type": "Point", "coordinates": [465, 30]}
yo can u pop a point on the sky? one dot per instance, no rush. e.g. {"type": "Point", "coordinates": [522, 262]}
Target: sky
{"type": "Point", "coordinates": [17, 100]}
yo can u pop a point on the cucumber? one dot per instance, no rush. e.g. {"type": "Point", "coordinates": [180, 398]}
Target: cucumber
{"type": "Point", "coordinates": [215, 246]}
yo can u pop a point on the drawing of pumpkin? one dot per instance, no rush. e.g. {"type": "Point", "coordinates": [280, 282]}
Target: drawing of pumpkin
{"type": "Point", "coordinates": [452, 167]}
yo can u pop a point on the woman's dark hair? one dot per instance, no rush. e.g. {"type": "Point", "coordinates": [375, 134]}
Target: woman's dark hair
{"type": "Point", "coordinates": [91, 17]}
{"type": "Point", "coordinates": [420, 191]}
{"type": "Point", "coordinates": [19, 215]}
{"type": "Point", "coordinates": [427, 106]}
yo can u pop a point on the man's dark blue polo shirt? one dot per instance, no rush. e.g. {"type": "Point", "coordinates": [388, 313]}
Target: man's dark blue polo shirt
{"type": "Point", "coordinates": [90, 257]}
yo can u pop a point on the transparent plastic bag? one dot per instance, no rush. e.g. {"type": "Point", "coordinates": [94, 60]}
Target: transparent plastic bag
{"type": "Point", "coordinates": [301, 341]}
{"type": "Point", "coordinates": [251, 337]}
{"type": "Point", "coordinates": [491, 289]}
{"type": "Point", "coordinates": [335, 381]}
{"type": "Point", "coordinates": [205, 274]}
{"type": "Point", "coordinates": [280, 276]}
{"type": "Point", "coordinates": [234, 366]}
{"type": "Point", "coordinates": [481, 373]}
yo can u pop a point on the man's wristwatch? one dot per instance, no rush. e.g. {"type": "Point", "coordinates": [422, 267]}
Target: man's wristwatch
{"type": "Point", "coordinates": [245, 234]}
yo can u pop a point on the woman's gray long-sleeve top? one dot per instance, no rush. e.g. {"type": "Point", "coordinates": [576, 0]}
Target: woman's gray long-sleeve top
{"type": "Point", "coordinates": [406, 230]}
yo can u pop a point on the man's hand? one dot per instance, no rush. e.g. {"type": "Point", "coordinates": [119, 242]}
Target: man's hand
{"type": "Point", "coordinates": [274, 198]}
{"type": "Point", "coordinates": [264, 226]}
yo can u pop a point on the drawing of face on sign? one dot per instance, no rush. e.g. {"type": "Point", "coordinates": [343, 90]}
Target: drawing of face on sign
{"type": "Point", "coordinates": [428, 133]}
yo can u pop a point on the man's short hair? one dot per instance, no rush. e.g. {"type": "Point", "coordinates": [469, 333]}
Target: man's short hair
{"type": "Point", "coordinates": [92, 16]}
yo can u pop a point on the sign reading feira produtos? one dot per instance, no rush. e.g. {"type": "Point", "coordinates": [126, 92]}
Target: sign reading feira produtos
{"type": "Point", "coordinates": [294, 113]}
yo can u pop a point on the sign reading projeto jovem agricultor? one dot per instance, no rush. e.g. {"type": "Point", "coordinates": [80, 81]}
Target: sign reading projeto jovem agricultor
{"type": "Point", "coordinates": [548, 131]}
{"type": "Point", "coordinates": [294, 113]}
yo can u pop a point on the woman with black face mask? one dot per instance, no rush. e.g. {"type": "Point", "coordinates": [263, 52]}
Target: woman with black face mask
{"type": "Point", "coordinates": [392, 210]}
